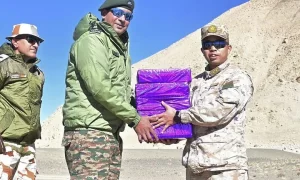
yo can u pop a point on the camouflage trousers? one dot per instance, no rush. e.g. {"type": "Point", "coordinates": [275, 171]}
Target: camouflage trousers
{"type": "Point", "coordinates": [93, 154]}
{"type": "Point", "coordinates": [18, 159]}
{"type": "Point", "coordinates": [218, 175]}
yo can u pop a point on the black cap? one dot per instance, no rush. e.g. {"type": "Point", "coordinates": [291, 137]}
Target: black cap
{"type": "Point", "coordinates": [128, 4]}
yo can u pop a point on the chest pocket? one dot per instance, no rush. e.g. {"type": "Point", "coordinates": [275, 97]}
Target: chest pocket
{"type": "Point", "coordinates": [36, 83]}
{"type": "Point", "coordinates": [214, 89]}
{"type": "Point", "coordinates": [17, 82]}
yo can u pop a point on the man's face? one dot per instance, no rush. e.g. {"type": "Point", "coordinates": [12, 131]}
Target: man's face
{"type": "Point", "coordinates": [119, 18]}
{"type": "Point", "coordinates": [215, 50]}
{"type": "Point", "coordinates": [26, 45]}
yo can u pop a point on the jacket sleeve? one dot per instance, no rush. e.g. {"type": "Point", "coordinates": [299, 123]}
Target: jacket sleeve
{"type": "Point", "coordinates": [221, 107]}
{"type": "Point", "coordinates": [3, 72]}
{"type": "Point", "coordinates": [92, 62]}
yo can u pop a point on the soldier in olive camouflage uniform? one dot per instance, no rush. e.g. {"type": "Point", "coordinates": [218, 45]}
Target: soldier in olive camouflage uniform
{"type": "Point", "coordinates": [98, 94]}
{"type": "Point", "coordinates": [21, 88]}
{"type": "Point", "coordinates": [219, 97]}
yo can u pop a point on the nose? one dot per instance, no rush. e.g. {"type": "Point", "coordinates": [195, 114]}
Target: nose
{"type": "Point", "coordinates": [213, 48]}
{"type": "Point", "coordinates": [122, 18]}
{"type": "Point", "coordinates": [35, 44]}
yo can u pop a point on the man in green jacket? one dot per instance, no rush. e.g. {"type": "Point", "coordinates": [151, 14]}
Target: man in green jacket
{"type": "Point", "coordinates": [98, 94]}
{"type": "Point", "coordinates": [21, 87]}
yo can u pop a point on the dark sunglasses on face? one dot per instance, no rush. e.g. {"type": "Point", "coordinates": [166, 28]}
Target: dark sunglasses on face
{"type": "Point", "coordinates": [30, 39]}
{"type": "Point", "coordinates": [119, 13]}
{"type": "Point", "coordinates": [206, 45]}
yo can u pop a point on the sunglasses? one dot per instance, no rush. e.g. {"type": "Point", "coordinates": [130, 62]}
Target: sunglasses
{"type": "Point", "coordinates": [206, 45]}
{"type": "Point", "coordinates": [119, 13]}
{"type": "Point", "coordinates": [30, 39]}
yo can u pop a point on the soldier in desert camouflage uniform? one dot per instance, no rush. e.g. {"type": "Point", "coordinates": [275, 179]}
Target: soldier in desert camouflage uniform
{"type": "Point", "coordinates": [21, 88]}
{"type": "Point", "coordinates": [219, 97]}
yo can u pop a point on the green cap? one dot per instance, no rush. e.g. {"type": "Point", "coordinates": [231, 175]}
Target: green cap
{"type": "Point", "coordinates": [128, 4]}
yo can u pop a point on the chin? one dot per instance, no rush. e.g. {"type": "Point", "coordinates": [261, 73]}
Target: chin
{"type": "Point", "coordinates": [32, 56]}
{"type": "Point", "coordinates": [119, 31]}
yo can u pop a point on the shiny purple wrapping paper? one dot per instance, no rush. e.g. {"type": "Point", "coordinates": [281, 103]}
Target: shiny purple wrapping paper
{"type": "Point", "coordinates": [170, 86]}
{"type": "Point", "coordinates": [150, 113]}
{"type": "Point", "coordinates": [150, 96]}
{"type": "Point", "coordinates": [176, 131]}
{"type": "Point", "coordinates": [151, 103]}
{"type": "Point", "coordinates": [163, 75]}
{"type": "Point", "coordinates": [162, 90]}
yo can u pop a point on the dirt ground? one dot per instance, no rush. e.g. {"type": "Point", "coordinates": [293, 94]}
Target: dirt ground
{"type": "Point", "coordinates": [164, 164]}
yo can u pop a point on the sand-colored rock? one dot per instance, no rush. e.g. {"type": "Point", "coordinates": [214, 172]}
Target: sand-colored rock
{"type": "Point", "coordinates": [265, 37]}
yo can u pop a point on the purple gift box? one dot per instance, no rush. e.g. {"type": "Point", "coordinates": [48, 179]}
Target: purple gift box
{"type": "Point", "coordinates": [163, 75]}
{"type": "Point", "coordinates": [170, 86]}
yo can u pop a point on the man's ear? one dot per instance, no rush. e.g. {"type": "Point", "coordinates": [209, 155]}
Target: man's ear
{"type": "Point", "coordinates": [104, 12]}
{"type": "Point", "coordinates": [202, 51]}
{"type": "Point", "coordinates": [229, 48]}
{"type": "Point", "coordinates": [14, 43]}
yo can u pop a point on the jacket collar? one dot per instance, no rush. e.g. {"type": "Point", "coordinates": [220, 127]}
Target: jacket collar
{"type": "Point", "coordinates": [121, 41]}
{"type": "Point", "coordinates": [211, 73]}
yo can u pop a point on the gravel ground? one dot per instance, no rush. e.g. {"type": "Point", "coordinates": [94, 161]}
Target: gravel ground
{"type": "Point", "coordinates": [265, 164]}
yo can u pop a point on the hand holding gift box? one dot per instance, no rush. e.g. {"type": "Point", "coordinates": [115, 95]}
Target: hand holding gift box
{"type": "Point", "coordinates": [159, 93]}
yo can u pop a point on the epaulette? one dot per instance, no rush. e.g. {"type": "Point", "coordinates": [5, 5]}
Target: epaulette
{"type": "Point", "coordinates": [3, 57]}
{"type": "Point", "coordinates": [94, 28]}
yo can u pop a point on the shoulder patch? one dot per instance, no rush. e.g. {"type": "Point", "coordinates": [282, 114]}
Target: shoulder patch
{"type": "Point", "coordinates": [94, 28]}
{"type": "Point", "coordinates": [95, 31]}
{"type": "Point", "coordinates": [3, 57]}
{"type": "Point", "coordinates": [228, 85]}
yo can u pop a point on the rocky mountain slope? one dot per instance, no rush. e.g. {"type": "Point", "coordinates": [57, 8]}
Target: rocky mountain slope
{"type": "Point", "coordinates": [265, 35]}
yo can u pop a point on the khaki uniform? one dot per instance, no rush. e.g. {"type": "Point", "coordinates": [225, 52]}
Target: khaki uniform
{"type": "Point", "coordinates": [219, 98]}
{"type": "Point", "coordinates": [218, 175]}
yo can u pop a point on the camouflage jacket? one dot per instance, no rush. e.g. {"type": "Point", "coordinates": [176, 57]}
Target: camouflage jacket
{"type": "Point", "coordinates": [219, 98]}
{"type": "Point", "coordinates": [21, 87]}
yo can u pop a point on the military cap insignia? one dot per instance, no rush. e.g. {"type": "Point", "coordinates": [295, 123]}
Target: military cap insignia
{"type": "Point", "coordinates": [212, 29]}
{"type": "Point", "coordinates": [129, 3]}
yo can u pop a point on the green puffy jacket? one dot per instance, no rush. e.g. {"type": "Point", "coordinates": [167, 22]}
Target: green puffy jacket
{"type": "Point", "coordinates": [21, 87]}
{"type": "Point", "coordinates": [98, 90]}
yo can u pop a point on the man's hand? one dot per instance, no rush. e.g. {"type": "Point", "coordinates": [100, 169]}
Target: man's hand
{"type": "Point", "coordinates": [144, 130]}
{"type": "Point", "coordinates": [166, 118]}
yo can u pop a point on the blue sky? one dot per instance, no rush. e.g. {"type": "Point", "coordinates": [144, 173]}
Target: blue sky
{"type": "Point", "coordinates": [155, 26]}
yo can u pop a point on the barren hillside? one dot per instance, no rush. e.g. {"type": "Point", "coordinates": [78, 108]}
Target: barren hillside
{"type": "Point", "coordinates": [265, 35]}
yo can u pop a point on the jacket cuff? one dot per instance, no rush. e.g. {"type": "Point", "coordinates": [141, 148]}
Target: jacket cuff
{"type": "Point", "coordinates": [135, 122]}
{"type": "Point", "coordinates": [184, 115]}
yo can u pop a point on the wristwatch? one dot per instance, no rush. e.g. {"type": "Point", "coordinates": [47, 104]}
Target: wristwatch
{"type": "Point", "coordinates": [177, 118]}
